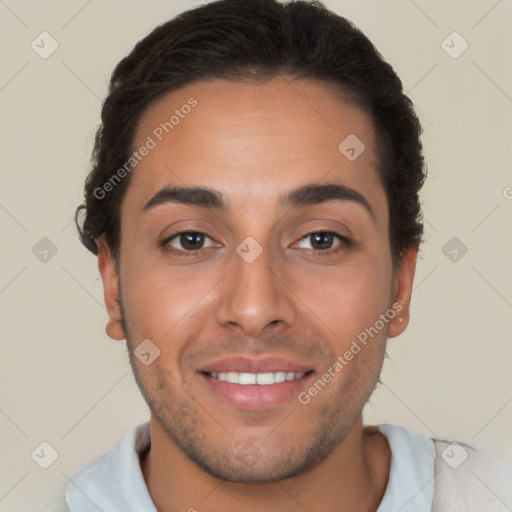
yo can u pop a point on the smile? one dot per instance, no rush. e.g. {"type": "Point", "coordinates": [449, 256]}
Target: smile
{"type": "Point", "coordinates": [258, 379]}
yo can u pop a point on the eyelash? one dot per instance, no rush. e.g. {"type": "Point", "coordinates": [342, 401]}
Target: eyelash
{"type": "Point", "coordinates": [345, 243]}
{"type": "Point", "coordinates": [164, 244]}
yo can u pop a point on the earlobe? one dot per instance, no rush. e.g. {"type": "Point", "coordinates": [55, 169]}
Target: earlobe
{"type": "Point", "coordinates": [106, 266]}
{"type": "Point", "coordinates": [402, 289]}
{"type": "Point", "coordinates": [114, 329]}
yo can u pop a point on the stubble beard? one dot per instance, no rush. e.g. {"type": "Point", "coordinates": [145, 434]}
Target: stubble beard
{"type": "Point", "coordinates": [241, 462]}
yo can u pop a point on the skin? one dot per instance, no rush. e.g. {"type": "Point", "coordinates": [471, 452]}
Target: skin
{"type": "Point", "coordinates": [253, 142]}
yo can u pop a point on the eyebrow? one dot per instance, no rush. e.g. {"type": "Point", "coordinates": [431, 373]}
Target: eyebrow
{"type": "Point", "coordinates": [306, 195]}
{"type": "Point", "coordinates": [193, 196]}
{"type": "Point", "coordinates": [317, 194]}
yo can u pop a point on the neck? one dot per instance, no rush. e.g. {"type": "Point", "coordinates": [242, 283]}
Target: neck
{"type": "Point", "coordinates": [353, 477]}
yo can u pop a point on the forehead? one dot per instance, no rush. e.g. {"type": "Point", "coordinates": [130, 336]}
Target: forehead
{"type": "Point", "coordinates": [254, 140]}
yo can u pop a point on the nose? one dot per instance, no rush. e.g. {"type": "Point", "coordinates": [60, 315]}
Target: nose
{"type": "Point", "coordinates": [255, 296]}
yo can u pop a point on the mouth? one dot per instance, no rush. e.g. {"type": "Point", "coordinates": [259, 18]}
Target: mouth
{"type": "Point", "coordinates": [255, 384]}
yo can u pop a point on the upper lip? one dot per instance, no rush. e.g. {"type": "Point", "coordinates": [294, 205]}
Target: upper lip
{"type": "Point", "coordinates": [246, 364]}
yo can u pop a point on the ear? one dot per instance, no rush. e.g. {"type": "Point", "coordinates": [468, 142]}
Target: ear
{"type": "Point", "coordinates": [402, 289]}
{"type": "Point", "coordinates": [106, 266]}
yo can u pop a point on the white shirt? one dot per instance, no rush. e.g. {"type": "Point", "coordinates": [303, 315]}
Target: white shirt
{"type": "Point", "coordinates": [114, 482]}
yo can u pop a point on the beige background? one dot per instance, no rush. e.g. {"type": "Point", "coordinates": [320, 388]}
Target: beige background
{"type": "Point", "coordinates": [66, 383]}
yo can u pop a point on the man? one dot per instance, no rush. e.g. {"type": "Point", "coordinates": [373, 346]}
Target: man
{"type": "Point", "coordinates": [254, 207]}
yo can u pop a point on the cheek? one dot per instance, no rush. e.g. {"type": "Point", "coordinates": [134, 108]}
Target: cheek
{"type": "Point", "coordinates": [348, 300]}
{"type": "Point", "coordinates": [163, 302]}
{"type": "Point", "coordinates": [347, 306]}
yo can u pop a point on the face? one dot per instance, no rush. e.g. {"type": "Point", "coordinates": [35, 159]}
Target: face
{"type": "Point", "coordinates": [254, 256]}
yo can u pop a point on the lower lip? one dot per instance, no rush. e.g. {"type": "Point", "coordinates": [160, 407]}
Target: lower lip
{"type": "Point", "coordinates": [254, 397]}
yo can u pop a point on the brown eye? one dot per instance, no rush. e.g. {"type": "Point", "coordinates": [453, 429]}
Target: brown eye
{"type": "Point", "coordinates": [188, 241]}
{"type": "Point", "coordinates": [322, 241]}
{"type": "Point", "coordinates": [191, 241]}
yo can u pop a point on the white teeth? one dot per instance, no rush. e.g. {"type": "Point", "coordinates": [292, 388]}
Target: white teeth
{"type": "Point", "coordinates": [279, 377]}
{"type": "Point", "coordinates": [264, 379]}
{"type": "Point", "coordinates": [232, 377]}
{"type": "Point", "coordinates": [246, 378]}
{"type": "Point", "coordinates": [261, 379]}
